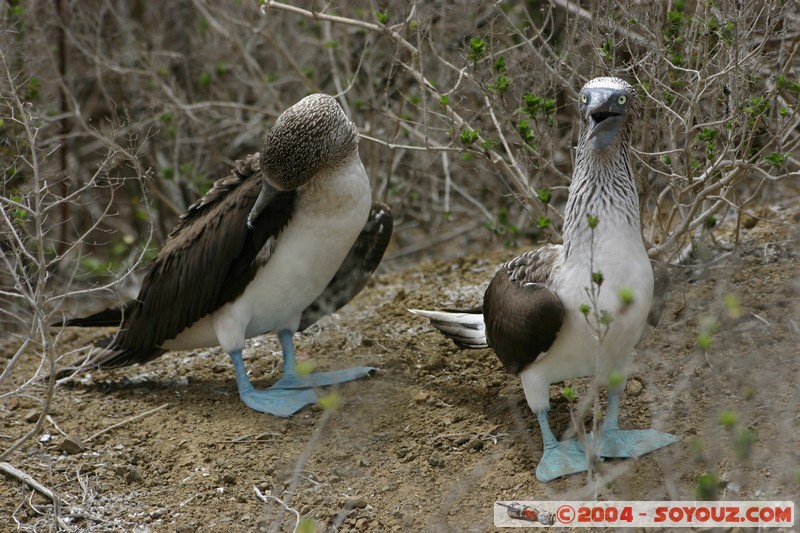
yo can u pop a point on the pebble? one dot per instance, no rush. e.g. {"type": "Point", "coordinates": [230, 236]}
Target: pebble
{"type": "Point", "coordinates": [436, 461]}
{"type": "Point", "coordinates": [634, 387]}
{"type": "Point", "coordinates": [355, 502]}
{"type": "Point", "coordinates": [421, 397]}
{"type": "Point", "coordinates": [475, 446]}
{"type": "Point", "coordinates": [72, 445]}
{"type": "Point", "coordinates": [133, 476]}
{"type": "Point", "coordinates": [31, 415]}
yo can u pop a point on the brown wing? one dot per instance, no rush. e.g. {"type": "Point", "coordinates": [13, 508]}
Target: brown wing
{"type": "Point", "coordinates": [522, 314]}
{"type": "Point", "coordinates": [660, 292]}
{"type": "Point", "coordinates": [207, 260]}
{"type": "Point", "coordinates": [364, 257]}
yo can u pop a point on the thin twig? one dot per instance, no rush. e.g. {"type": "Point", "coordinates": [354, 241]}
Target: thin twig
{"type": "Point", "coordinates": [126, 421]}
{"type": "Point", "coordinates": [14, 472]}
{"type": "Point", "coordinates": [263, 498]}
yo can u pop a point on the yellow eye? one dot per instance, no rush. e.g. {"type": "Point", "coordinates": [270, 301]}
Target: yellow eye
{"type": "Point", "coordinates": [622, 99]}
{"type": "Point", "coordinates": [584, 99]}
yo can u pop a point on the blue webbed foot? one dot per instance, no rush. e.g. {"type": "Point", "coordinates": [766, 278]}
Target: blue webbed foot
{"type": "Point", "coordinates": [565, 458]}
{"type": "Point", "coordinates": [558, 458]}
{"type": "Point", "coordinates": [292, 391]}
{"type": "Point", "coordinates": [615, 442]}
{"type": "Point", "coordinates": [322, 379]}
{"type": "Point", "coordinates": [278, 402]}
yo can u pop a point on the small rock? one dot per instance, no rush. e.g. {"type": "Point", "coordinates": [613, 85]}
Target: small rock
{"type": "Point", "coordinates": [460, 441]}
{"type": "Point", "coordinates": [45, 438]}
{"type": "Point", "coordinates": [133, 476]}
{"type": "Point", "coordinates": [402, 452]}
{"type": "Point", "coordinates": [436, 461]}
{"type": "Point", "coordinates": [419, 397]}
{"type": "Point", "coordinates": [408, 458]}
{"type": "Point", "coordinates": [633, 387]}
{"type": "Point", "coordinates": [229, 479]}
{"type": "Point", "coordinates": [31, 415]}
{"type": "Point", "coordinates": [475, 446]}
{"type": "Point", "coordinates": [437, 363]}
{"type": "Point", "coordinates": [362, 523]}
{"type": "Point", "coordinates": [72, 445]}
{"type": "Point", "coordinates": [355, 502]}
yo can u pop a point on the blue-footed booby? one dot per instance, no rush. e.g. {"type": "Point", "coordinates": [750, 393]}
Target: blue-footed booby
{"type": "Point", "coordinates": [577, 309]}
{"type": "Point", "coordinates": [289, 237]}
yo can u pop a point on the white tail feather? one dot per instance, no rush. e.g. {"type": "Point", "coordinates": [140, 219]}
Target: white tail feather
{"type": "Point", "coordinates": [467, 330]}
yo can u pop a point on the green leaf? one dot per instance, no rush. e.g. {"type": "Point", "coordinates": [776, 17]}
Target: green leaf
{"type": "Point", "coordinates": [382, 16]}
{"type": "Point", "coordinates": [306, 525]}
{"type": "Point", "coordinates": [488, 144]}
{"type": "Point", "coordinates": [477, 48]}
{"type": "Point", "coordinates": [569, 394]}
{"type": "Point", "coordinates": [331, 401]}
{"type": "Point", "coordinates": [704, 341]}
{"type": "Point", "coordinates": [615, 379]}
{"type": "Point", "coordinates": [544, 195]}
{"type": "Point", "coordinates": [707, 134]}
{"type": "Point", "coordinates": [706, 486]}
{"type": "Point", "coordinates": [728, 419]}
{"type": "Point", "coordinates": [733, 306]}
{"type": "Point", "coordinates": [593, 221]}
{"type": "Point", "coordinates": [305, 367]}
{"type": "Point", "coordinates": [777, 159]}
{"type": "Point", "coordinates": [501, 84]}
{"type": "Point", "coordinates": [626, 296]}
{"type": "Point", "coordinates": [543, 222]}
{"type": "Point", "coordinates": [468, 137]}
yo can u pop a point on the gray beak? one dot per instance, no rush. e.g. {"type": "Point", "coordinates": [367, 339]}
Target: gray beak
{"type": "Point", "coordinates": [606, 116]}
{"type": "Point", "coordinates": [263, 197]}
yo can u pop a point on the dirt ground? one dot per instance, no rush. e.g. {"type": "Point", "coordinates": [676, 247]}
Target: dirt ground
{"type": "Point", "coordinates": [438, 434]}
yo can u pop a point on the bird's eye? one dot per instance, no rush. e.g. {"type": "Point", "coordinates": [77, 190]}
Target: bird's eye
{"type": "Point", "coordinates": [584, 99]}
{"type": "Point", "coordinates": [622, 99]}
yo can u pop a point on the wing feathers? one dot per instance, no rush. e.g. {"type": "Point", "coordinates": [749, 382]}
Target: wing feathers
{"type": "Point", "coordinates": [207, 260]}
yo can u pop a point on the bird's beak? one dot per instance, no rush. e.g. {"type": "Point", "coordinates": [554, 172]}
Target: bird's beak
{"type": "Point", "coordinates": [605, 115]}
{"type": "Point", "coordinates": [258, 207]}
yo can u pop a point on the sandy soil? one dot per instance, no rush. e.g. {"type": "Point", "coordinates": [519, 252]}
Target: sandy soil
{"type": "Point", "coordinates": [438, 434]}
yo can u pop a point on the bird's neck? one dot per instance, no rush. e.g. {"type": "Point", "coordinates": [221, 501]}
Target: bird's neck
{"type": "Point", "coordinates": [603, 187]}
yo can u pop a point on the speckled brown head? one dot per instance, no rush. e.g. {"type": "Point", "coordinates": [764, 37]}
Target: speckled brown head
{"type": "Point", "coordinates": [309, 136]}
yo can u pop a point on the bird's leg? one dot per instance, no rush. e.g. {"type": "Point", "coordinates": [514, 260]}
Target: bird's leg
{"type": "Point", "coordinates": [615, 442]}
{"type": "Point", "coordinates": [279, 402]}
{"type": "Point", "coordinates": [292, 380]}
{"type": "Point", "coordinates": [559, 458]}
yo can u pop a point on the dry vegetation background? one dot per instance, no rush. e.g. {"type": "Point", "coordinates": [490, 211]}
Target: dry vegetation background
{"type": "Point", "coordinates": [116, 115]}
